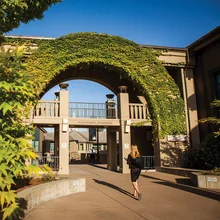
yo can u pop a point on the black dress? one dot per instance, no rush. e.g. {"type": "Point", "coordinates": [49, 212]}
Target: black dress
{"type": "Point", "coordinates": [134, 171]}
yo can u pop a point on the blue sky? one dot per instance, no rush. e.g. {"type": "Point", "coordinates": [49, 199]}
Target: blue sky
{"type": "Point", "coordinates": [175, 23]}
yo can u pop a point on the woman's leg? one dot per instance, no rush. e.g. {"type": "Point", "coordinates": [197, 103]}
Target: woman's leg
{"type": "Point", "coordinates": [136, 189]}
{"type": "Point", "coordinates": [134, 176]}
{"type": "Point", "coordinates": [135, 192]}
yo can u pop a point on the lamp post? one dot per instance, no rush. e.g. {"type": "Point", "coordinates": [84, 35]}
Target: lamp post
{"type": "Point", "coordinates": [63, 86]}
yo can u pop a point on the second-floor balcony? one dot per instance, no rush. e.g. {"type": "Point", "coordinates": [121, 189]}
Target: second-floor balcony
{"type": "Point", "coordinates": [51, 109]}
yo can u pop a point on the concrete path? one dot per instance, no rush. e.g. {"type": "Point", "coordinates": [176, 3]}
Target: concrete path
{"type": "Point", "coordinates": [108, 196]}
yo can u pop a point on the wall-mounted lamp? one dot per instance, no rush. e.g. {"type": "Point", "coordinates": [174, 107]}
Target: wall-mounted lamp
{"type": "Point", "coordinates": [63, 86]}
{"type": "Point", "coordinates": [127, 126]}
{"type": "Point", "coordinates": [65, 125]}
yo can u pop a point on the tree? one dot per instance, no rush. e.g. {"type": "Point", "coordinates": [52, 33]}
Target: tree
{"type": "Point", "coordinates": [213, 120]}
{"type": "Point", "coordinates": [17, 94]}
{"type": "Point", "coordinates": [13, 12]}
{"type": "Point", "coordinates": [207, 156]}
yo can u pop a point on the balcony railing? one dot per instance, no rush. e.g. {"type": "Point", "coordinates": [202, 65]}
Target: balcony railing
{"type": "Point", "coordinates": [47, 109]}
{"type": "Point", "coordinates": [52, 161]}
{"type": "Point", "coordinates": [138, 111]}
{"type": "Point", "coordinates": [89, 110]}
{"type": "Point", "coordinates": [92, 110]}
{"type": "Point", "coordinates": [148, 162]}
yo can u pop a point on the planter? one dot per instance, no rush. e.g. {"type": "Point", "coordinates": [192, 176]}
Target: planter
{"type": "Point", "coordinates": [39, 194]}
{"type": "Point", "coordinates": [205, 181]}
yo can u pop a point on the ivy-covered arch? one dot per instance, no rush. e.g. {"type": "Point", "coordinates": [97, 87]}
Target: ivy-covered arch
{"type": "Point", "coordinates": [114, 54]}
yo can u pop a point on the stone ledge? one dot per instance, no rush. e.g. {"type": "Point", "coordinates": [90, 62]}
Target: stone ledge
{"type": "Point", "coordinates": [177, 171]}
{"type": "Point", "coordinates": [39, 194]}
{"type": "Point", "coordinates": [205, 181]}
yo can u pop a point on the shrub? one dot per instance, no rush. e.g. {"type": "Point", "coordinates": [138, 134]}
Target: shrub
{"type": "Point", "coordinates": [207, 156]}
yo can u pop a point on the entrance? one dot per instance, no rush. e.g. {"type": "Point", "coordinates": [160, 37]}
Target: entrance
{"type": "Point", "coordinates": [74, 122]}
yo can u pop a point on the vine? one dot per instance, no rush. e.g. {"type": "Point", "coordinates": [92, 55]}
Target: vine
{"type": "Point", "coordinates": [115, 54]}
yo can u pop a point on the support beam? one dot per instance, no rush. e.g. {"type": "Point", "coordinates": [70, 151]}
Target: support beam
{"type": "Point", "coordinates": [112, 150]}
{"type": "Point", "coordinates": [124, 132]}
{"type": "Point", "coordinates": [193, 125]}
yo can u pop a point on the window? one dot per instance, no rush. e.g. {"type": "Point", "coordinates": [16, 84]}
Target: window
{"type": "Point", "coordinates": [51, 146]}
{"type": "Point", "coordinates": [217, 85]}
{"type": "Point", "coordinates": [35, 144]}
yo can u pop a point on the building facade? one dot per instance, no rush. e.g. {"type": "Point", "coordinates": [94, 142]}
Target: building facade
{"type": "Point", "coordinates": [194, 69]}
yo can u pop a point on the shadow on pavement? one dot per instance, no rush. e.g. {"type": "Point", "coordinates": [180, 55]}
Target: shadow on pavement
{"type": "Point", "coordinates": [181, 184]}
{"type": "Point", "coordinates": [114, 187]}
{"type": "Point", "coordinates": [98, 166]}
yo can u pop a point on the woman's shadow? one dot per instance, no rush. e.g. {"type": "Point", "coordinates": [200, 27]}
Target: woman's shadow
{"type": "Point", "coordinates": [114, 187]}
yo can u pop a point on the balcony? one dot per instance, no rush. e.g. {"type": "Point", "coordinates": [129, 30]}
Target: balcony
{"type": "Point", "coordinates": [80, 113]}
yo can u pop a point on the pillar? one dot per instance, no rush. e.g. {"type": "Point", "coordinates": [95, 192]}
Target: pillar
{"type": "Point", "coordinates": [124, 131]}
{"type": "Point", "coordinates": [191, 106]}
{"type": "Point", "coordinates": [64, 133]}
{"type": "Point", "coordinates": [56, 141]}
{"type": "Point", "coordinates": [111, 150]}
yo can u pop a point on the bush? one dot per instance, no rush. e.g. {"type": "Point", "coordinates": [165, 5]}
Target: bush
{"type": "Point", "coordinates": [207, 156]}
{"type": "Point", "coordinates": [215, 171]}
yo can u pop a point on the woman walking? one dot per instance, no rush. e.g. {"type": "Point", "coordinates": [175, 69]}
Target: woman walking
{"type": "Point", "coordinates": [135, 170]}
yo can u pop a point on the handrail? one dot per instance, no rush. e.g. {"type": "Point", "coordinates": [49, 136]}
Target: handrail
{"type": "Point", "coordinates": [47, 109]}
{"type": "Point", "coordinates": [92, 110]}
{"type": "Point", "coordinates": [148, 162]}
{"type": "Point", "coordinates": [138, 111]}
{"type": "Point", "coordinates": [52, 161]}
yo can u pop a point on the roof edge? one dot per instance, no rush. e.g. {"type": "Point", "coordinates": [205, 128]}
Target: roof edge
{"type": "Point", "coordinates": [205, 37]}
{"type": "Point", "coordinates": [30, 37]}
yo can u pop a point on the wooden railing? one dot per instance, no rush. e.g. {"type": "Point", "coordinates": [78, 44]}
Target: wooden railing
{"type": "Point", "coordinates": [47, 109]}
{"type": "Point", "coordinates": [138, 111]}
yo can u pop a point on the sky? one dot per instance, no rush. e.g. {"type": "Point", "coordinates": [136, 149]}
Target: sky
{"type": "Point", "coordinates": [174, 23]}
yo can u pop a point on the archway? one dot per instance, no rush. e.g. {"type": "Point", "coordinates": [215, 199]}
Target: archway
{"type": "Point", "coordinates": [112, 61]}
{"type": "Point", "coordinates": [83, 52]}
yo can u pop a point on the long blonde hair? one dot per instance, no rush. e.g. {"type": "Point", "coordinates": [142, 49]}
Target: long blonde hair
{"type": "Point", "coordinates": [134, 151]}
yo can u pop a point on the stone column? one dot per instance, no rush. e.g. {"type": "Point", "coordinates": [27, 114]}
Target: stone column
{"type": "Point", "coordinates": [112, 150]}
{"type": "Point", "coordinates": [124, 131]}
{"type": "Point", "coordinates": [191, 106]}
{"type": "Point", "coordinates": [56, 140]}
{"type": "Point", "coordinates": [64, 133]}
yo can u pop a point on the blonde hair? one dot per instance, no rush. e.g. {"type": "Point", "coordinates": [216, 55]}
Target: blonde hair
{"type": "Point", "coordinates": [134, 151]}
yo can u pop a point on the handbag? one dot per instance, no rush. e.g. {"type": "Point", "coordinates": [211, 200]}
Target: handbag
{"type": "Point", "coordinates": [138, 162]}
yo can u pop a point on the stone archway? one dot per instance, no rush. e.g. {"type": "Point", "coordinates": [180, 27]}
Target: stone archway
{"type": "Point", "coordinates": [138, 65]}
{"type": "Point", "coordinates": [85, 52]}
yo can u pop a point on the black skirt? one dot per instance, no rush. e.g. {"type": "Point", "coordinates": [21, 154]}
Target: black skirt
{"type": "Point", "coordinates": [135, 173]}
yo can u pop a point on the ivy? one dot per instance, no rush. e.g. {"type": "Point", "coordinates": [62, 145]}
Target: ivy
{"type": "Point", "coordinates": [114, 53]}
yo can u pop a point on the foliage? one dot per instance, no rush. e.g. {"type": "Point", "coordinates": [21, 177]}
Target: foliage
{"type": "Point", "coordinates": [16, 94]}
{"type": "Point", "coordinates": [139, 65]}
{"type": "Point", "coordinates": [213, 120]}
{"type": "Point", "coordinates": [12, 12]}
{"type": "Point", "coordinates": [215, 171]}
{"type": "Point", "coordinates": [207, 156]}
{"type": "Point", "coordinates": [49, 176]}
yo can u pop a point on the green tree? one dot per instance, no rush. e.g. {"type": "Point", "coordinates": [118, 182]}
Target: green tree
{"type": "Point", "coordinates": [13, 12]}
{"type": "Point", "coordinates": [16, 98]}
{"type": "Point", "coordinates": [207, 156]}
{"type": "Point", "coordinates": [213, 120]}
{"type": "Point", "coordinates": [15, 93]}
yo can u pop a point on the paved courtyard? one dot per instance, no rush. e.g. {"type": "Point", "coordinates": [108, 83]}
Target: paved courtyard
{"type": "Point", "coordinates": [108, 196]}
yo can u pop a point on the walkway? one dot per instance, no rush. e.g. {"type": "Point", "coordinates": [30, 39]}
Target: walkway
{"type": "Point", "coordinates": [165, 197]}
